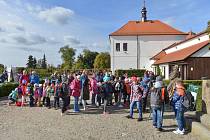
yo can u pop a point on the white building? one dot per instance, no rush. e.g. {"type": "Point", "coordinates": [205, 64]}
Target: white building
{"type": "Point", "coordinates": [136, 42]}
{"type": "Point", "coordinates": [192, 56]}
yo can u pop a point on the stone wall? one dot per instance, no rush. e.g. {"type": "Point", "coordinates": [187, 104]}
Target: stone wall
{"type": "Point", "coordinates": [206, 96]}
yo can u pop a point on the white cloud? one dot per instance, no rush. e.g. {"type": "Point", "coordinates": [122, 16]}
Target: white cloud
{"type": "Point", "coordinates": [27, 39]}
{"type": "Point", "coordinates": [17, 26]}
{"type": "Point", "coordinates": [33, 8]}
{"type": "Point", "coordinates": [71, 40]}
{"type": "Point", "coordinates": [2, 30]}
{"type": "Point", "coordinates": [27, 49]}
{"type": "Point", "coordinates": [56, 15]}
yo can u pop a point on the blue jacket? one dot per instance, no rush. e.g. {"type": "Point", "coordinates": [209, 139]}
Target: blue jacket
{"type": "Point", "coordinates": [176, 101]}
{"type": "Point", "coordinates": [34, 79]}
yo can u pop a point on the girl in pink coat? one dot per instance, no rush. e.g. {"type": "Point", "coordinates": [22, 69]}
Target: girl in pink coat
{"type": "Point", "coordinates": [75, 87]}
{"type": "Point", "coordinates": [93, 90]}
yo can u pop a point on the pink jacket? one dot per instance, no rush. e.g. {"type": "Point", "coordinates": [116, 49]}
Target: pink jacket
{"type": "Point", "coordinates": [93, 86]}
{"type": "Point", "coordinates": [75, 87]}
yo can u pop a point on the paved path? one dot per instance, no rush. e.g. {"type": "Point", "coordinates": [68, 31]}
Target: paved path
{"type": "Point", "coordinates": [41, 123]}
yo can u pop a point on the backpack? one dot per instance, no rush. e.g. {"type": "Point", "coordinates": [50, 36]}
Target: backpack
{"type": "Point", "coordinates": [187, 100]}
{"type": "Point", "coordinates": [164, 96]}
{"type": "Point", "coordinates": [156, 99]}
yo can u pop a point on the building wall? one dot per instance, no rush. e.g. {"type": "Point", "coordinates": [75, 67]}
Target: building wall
{"type": "Point", "coordinates": [140, 50]}
{"type": "Point", "coordinates": [196, 40]}
{"type": "Point", "coordinates": [198, 67]}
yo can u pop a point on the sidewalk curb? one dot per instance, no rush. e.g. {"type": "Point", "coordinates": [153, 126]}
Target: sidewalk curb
{"type": "Point", "coordinates": [200, 130]}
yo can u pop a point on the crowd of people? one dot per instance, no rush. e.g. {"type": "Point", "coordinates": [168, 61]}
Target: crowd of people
{"type": "Point", "coordinates": [102, 89]}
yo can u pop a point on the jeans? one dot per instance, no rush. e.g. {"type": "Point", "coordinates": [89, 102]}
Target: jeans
{"type": "Point", "coordinates": [180, 119]}
{"type": "Point", "coordinates": [64, 105]}
{"type": "Point", "coordinates": [157, 117]}
{"type": "Point", "coordinates": [139, 106]}
{"type": "Point", "coordinates": [56, 102]}
{"type": "Point", "coordinates": [98, 99]}
{"type": "Point", "coordinates": [76, 105]}
{"type": "Point", "coordinates": [48, 102]}
{"type": "Point", "coordinates": [68, 101]}
{"type": "Point", "coordinates": [120, 95]}
{"type": "Point", "coordinates": [144, 103]}
{"type": "Point", "coordinates": [93, 99]}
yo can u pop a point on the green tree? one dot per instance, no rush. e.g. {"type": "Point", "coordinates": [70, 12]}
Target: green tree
{"type": "Point", "coordinates": [102, 61]}
{"type": "Point", "coordinates": [67, 55]}
{"type": "Point", "coordinates": [44, 62]}
{"type": "Point", "coordinates": [208, 28]}
{"type": "Point", "coordinates": [79, 64]}
{"type": "Point", "coordinates": [89, 58]}
{"type": "Point", "coordinates": [34, 63]}
{"type": "Point", "coordinates": [30, 63]}
{"type": "Point", "coordinates": [1, 68]}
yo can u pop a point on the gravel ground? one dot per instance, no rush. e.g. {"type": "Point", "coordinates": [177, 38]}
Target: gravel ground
{"type": "Point", "coordinates": [47, 124]}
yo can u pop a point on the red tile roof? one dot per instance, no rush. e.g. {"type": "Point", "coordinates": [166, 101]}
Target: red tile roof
{"type": "Point", "coordinates": [181, 54]}
{"type": "Point", "coordinates": [151, 27]}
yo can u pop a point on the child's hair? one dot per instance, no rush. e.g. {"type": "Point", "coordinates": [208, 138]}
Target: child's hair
{"type": "Point", "coordinates": [179, 82]}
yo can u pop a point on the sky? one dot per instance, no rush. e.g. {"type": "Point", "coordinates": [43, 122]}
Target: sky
{"type": "Point", "coordinates": [38, 27]}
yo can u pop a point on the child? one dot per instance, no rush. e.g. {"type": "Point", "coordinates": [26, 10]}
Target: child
{"type": "Point", "coordinates": [40, 92]}
{"type": "Point", "coordinates": [179, 109]}
{"type": "Point", "coordinates": [49, 91]}
{"type": "Point", "coordinates": [157, 101]}
{"type": "Point", "coordinates": [23, 88]}
{"type": "Point", "coordinates": [44, 91]}
{"type": "Point", "coordinates": [119, 89]}
{"type": "Point", "coordinates": [127, 91]}
{"type": "Point", "coordinates": [107, 91]}
{"type": "Point", "coordinates": [99, 94]}
{"type": "Point", "coordinates": [13, 96]}
{"type": "Point", "coordinates": [75, 87]}
{"type": "Point", "coordinates": [136, 98]}
{"type": "Point", "coordinates": [57, 94]}
{"type": "Point", "coordinates": [64, 95]}
{"type": "Point", "coordinates": [30, 93]}
{"type": "Point", "coordinates": [36, 93]}
{"type": "Point", "coordinates": [93, 90]}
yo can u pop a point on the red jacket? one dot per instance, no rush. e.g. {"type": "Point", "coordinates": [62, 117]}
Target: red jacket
{"type": "Point", "coordinates": [75, 87]}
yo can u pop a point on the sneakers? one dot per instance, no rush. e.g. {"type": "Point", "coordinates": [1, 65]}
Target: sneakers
{"type": "Point", "coordinates": [179, 132]}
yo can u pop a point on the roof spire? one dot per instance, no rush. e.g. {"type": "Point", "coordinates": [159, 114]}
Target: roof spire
{"type": "Point", "coordinates": [144, 13]}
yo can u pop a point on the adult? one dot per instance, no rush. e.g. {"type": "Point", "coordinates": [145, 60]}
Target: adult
{"type": "Point", "coordinates": [85, 93]}
{"type": "Point", "coordinates": [34, 78]}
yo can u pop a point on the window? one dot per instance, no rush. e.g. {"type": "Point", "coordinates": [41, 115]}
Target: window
{"type": "Point", "coordinates": [117, 47]}
{"type": "Point", "coordinates": [125, 47]}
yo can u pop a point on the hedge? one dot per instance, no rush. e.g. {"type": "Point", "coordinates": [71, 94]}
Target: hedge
{"type": "Point", "coordinates": [6, 88]}
{"type": "Point", "coordinates": [139, 73]}
{"type": "Point", "coordinates": [199, 100]}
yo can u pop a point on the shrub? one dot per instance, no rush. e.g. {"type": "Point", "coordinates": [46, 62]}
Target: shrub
{"type": "Point", "coordinates": [139, 73]}
{"type": "Point", "coordinates": [6, 88]}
